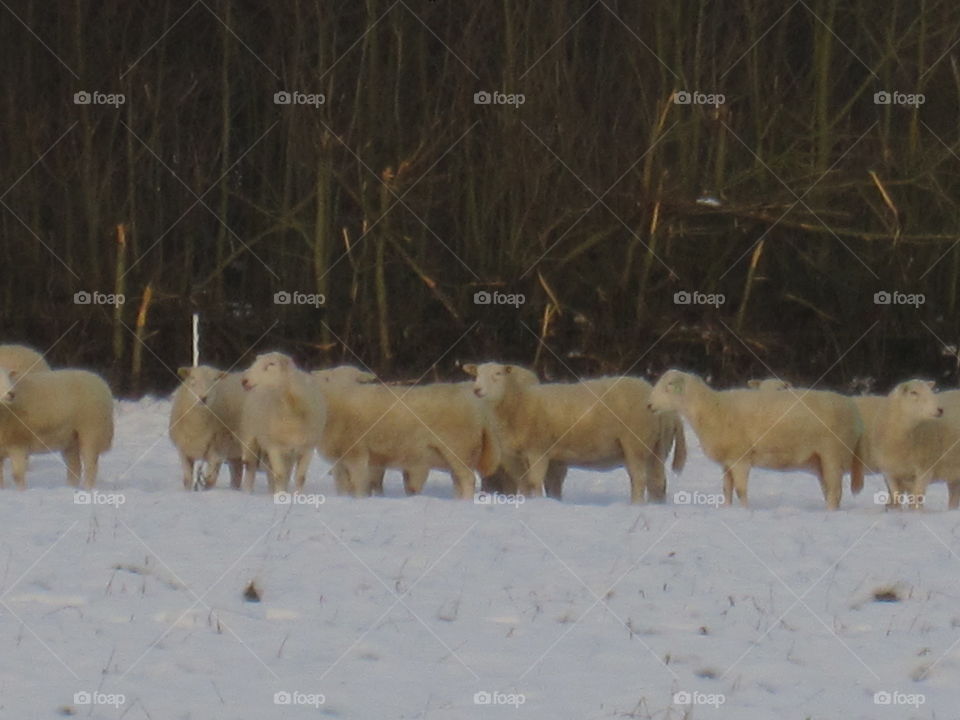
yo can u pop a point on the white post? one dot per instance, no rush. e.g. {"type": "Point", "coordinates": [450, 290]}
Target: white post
{"type": "Point", "coordinates": [196, 339]}
{"type": "Point", "coordinates": [198, 469]}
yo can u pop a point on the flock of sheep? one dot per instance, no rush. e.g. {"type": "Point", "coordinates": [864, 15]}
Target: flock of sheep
{"type": "Point", "coordinates": [518, 433]}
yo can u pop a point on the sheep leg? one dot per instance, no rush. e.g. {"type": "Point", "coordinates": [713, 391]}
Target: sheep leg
{"type": "Point", "coordinates": [953, 494]}
{"type": "Point", "coordinates": [637, 470]}
{"type": "Point", "coordinates": [279, 472]}
{"type": "Point", "coordinates": [212, 474]}
{"type": "Point", "coordinates": [499, 482]}
{"type": "Point", "coordinates": [556, 473]}
{"type": "Point", "coordinates": [656, 480]}
{"type": "Point", "coordinates": [727, 486]}
{"type": "Point", "coordinates": [532, 484]}
{"type": "Point", "coordinates": [303, 464]}
{"type": "Point", "coordinates": [186, 465]}
{"type": "Point", "coordinates": [18, 466]}
{"type": "Point", "coordinates": [414, 478]}
{"type": "Point", "coordinates": [91, 462]}
{"type": "Point", "coordinates": [376, 480]}
{"type": "Point", "coordinates": [251, 459]}
{"type": "Point", "coordinates": [236, 472]}
{"type": "Point", "coordinates": [740, 473]}
{"type": "Point", "coordinates": [894, 492]}
{"type": "Point", "coordinates": [341, 479]}
{"type": "Point", "coordinates": [464, 482]}
{"type": "Point", "coordinates": [358, 471]}
{"type": "Point", "coordinates": [505, 479]}
{"type": "Point", "coordinates": [71, 456]}
{"type": "Point", "coordinates": [920, 489]}
{"type": "Point", "coordinates": [831, 482]}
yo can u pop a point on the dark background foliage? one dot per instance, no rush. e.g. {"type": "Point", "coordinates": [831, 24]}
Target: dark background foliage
{"type": "Point", "coordinates": [399, 198]}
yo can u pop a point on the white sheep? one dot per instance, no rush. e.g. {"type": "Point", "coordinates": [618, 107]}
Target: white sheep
{"type": "Point", "coordinates": [70, 411]}
{"type": "Point", "coordinates": [205, 423]}
{"type": "Point", "coordinates": [415, 429]}
{"type": "Point", "coordinates": [775, 384]}
{"type": "Point", "coordinates": [811, 430]}
{"type": "Point", "coordinates": [865, 406]}
{"type": "Point", "coordinates": [283, 419]}
{"type": "Point", "coordinates": [917, 443]}
{"type": "Point", "coordinates": [597, 424]}
{"type": "Point", "coordinates": [21, 359]}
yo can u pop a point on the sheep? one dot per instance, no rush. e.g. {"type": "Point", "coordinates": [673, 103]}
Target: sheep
{"type": "Point", "coordinates": [342, 376]}
{"type": "Point", "coordinates": [769, 384]}
{"type": "Point", "coordinates": [865, 406]}
{"type": "Point", "coordinates": [918, 443]}
{"type": "Point", "coordinates": [70, 411]}
{"type": "Point", "coordinates": [598, 424]}
{"type": "Point", "coordinates": [811, 430]}
{"type": "Point", "coordinates": [415, 429]}
{"type": "Point", "coordinates": [21, 359]}
{"type": "Point", "coordinates": [283, 418]}
{"type": "Point", "coordinates": [205, 423]}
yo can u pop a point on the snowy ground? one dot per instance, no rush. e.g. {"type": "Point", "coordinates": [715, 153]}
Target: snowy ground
{"type": "Point", "coordinates": [410, 607]}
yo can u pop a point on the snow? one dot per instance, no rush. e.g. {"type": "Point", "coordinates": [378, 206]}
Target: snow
{"type": "Point", "coordinates": [426, 607]}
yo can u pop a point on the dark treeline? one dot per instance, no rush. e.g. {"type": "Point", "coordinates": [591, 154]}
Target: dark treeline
{"type": "Point", "coordinates": [399, 197]}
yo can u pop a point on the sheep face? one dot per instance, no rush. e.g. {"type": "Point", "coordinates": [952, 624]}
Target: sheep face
{"type": "Point", "coordinates": [269, 370]}
{"type": "Point", "coordinates": [200, 381]}
{"type": "Point", "coordinates": [916, 399]}
{"type": "Point", "coordinates": [491, 380]}
{"type": "Point", "coordinates": [7, 378]}
{"type": "Point", "coordinates": [668, 393]}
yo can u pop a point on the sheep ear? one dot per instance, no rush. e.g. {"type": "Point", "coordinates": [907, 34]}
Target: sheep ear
{"type": "Point", "coordinates": [930, 384]}
{"type": "Point", "coordinates": [184, 372]}
{"type": "Point", "coordinates": [13, 374]}
{"type": "Point", "coordinates": [221, 375]}
{"type": "Point", "coordinates": [470, 369]}
{"type": "Point", "coordinates": [508, 369]}
{"type": "Point", "coordinates": [754, 384]}
{"type": "Point", "coordinates": [366, 377]}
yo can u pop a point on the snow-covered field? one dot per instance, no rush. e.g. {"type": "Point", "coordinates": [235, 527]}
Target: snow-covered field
{"type": "Point", "coordinates": [431, 608]}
